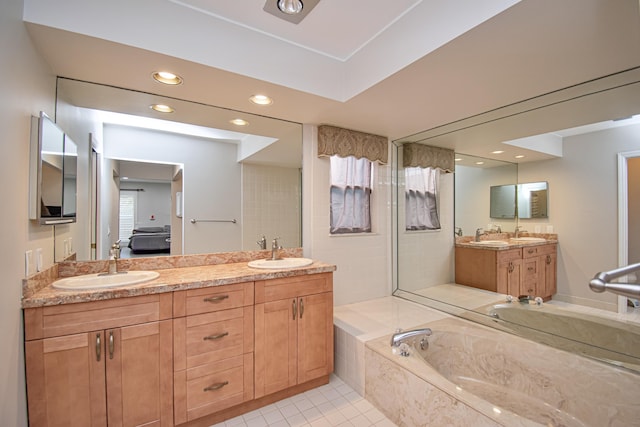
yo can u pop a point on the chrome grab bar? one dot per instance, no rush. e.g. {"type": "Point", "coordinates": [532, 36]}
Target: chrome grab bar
{"type": "Point", "coordinates": [193, 220]}
{"type": "Point", "coordinates": [601, 282]}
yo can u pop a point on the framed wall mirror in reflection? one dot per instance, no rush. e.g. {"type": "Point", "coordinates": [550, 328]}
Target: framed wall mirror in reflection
{"type": "Point", "coordinates": [235, 183]}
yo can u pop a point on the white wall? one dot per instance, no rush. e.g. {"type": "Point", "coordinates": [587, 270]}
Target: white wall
{"type": "Point", "coordinates": [363, 261]}
{"type": "Point", "coordinates": [154, 201]}
{"type": "Point", "coordinates": [27, 87]}
{"type": "Point", "coordinates": [271, 205]}
{"type": "Point", "coordinates": [583, 208]}
{"type": "Point", "coordinates": [211, 181]}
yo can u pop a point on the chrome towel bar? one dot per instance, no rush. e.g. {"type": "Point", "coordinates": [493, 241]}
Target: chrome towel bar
{"type": "Point", "coordinates": [193, 220]}
{"type": "Point", "coordinates": [601, 282]}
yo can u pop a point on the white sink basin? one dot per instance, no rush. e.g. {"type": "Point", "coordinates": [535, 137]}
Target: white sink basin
{"type": "Point", "coordinates": [491, 243]}
{"type": "Point", "coordinates": [102, 280]}
{"type": "Point", "coordinates": [527, 239]}
{"type": "Point", "coordinates": [280, 263]}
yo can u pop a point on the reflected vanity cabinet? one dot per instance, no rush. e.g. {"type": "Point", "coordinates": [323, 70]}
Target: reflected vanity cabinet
{"type": "Point", "coordinates": [527, 270]}
{"type": "Point", "coordinates": [109, 360]}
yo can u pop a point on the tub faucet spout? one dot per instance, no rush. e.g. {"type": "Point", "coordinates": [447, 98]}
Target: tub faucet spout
{"type": "Point", "coordinates": [400, 336]}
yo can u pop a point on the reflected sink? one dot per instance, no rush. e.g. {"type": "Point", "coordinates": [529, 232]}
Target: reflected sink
{"type": "Point", "coordinates": [280, 263]}
{"type": "Point", "coordinates": [491, 243]}
{"type": "Point", "coordinates": [102, 280]}
{"type": "Point", "coordinates": [528, 239]}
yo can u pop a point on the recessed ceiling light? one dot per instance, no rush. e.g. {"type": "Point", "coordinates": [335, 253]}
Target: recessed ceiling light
{"type": "Point", "coordinates": [497, 152]}
{"type": "Point", "coordinates": [167, 78]}
{"type": "Point", "coordinates": [520, 156]}
{"type": "Point", "coordinates": [239, 122]}
{"type": "Point", "coordinates": [124, 177]}
{"type": "Point", "coordinates": [479, 163]}
{"type": "Point", "coordinates": [290, 7]}
{"type": "Point", "coordinates": [458, 159]}
{"type": "Point", "coordinates": [161, 108]}
{"type": "Point", "coordinates": [261, 100]}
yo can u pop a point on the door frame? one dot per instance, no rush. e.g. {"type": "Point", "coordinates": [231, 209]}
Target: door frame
{"type": "Point", "coordinates": [623, 216]}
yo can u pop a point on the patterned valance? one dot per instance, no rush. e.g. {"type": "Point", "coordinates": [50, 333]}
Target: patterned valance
{"type": "Point", "coordinates": [344, 143]}
{"type": "Point", "coordinates": [425, 156]}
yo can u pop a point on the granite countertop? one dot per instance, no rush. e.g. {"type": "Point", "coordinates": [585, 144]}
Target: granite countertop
{"type": "Point", "coordinates": [468, 241]}
{"type": "Point", "coordinates": [170, 279]}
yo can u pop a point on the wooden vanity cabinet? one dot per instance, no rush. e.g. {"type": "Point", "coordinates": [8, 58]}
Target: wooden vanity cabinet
{"type": "Point", "coordinates": [100, 363]}
{"type": "Point", "coordinates": [526, 270]}
{"type": "Point", "coordinates": [213, 349]}
{"type": "Point", "coordinates": [293, 331]}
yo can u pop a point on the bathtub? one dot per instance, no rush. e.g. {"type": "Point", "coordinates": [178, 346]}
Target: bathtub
{"type": "Point", "coordinates": [471, 375]}
{"type": "Point", "coordinates": [609, 340]}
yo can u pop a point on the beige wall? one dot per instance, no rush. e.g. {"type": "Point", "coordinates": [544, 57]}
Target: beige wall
{"type": "Point", "coordinates": [27, 87]}
{"type": "Point", "coordinates": [583, 208]}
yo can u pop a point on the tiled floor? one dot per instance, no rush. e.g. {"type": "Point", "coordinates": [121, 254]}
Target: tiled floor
{"type": "Point", "coordinates": [332, 405]}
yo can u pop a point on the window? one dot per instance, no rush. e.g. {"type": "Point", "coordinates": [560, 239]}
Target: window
{"type": "Point", "coordinates": [421, 198]}
{"type": "Point", "coordinates": [350, 195]}
{"type": "Point", "coordinates": [128, 202]}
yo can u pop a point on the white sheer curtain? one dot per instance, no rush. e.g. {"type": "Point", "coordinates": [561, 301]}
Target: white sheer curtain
{"type": "Point", "coordinates": [350, 195]}
{"type": "Point", "coordinates": [421, 198]}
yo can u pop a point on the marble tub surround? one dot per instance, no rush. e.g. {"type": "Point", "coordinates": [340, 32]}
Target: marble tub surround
{"type": "Point", "coordinates": [473, 375]}
{"type": "Point", "coordinates": [176, 273]}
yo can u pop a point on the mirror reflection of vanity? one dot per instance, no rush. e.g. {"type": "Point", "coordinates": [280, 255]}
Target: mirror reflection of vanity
{"type": "Point", "coordinates": [229, 186]}
{"type": "Point", "coordinates": [419, 274]}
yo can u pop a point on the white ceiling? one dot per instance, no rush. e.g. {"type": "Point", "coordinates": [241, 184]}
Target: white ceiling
{"type": "Point", "coordinates": [391, 68]}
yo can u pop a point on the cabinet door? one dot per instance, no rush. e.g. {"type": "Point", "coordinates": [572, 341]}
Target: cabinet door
{"type": "Point", "coordinates": [315, 336]}
{"type": "Point", "coordinates": [532, 277]}
{"type": "Point", "coordinates": [509, 277]}
{"type": "Point", "coordinates": [550, 274]}
{"type": "Point", "coordinates": [139, 375]}
{"type": "Point", "coordinates": [275, 346]}
{"type": "Point", "coordinates": [66, 381]}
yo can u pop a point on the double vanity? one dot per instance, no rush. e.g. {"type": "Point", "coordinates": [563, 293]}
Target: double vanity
{"type": "Point", "coordinates": [508, 265]}
{"type": "Point", "coordinates": [208, 338]}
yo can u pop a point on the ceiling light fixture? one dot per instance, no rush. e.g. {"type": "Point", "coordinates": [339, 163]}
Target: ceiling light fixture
{"type": "Point", "coordinates": [520, 156]}
{"type": "Point", "coordinates": [497, 152]}
{"type": "Point", "coordinates": [167, 78]}
{"type": "Point", "coordinates": [161, 108]}
{"type": "Point", "coordinates": [261, 100]}
{"type": "Point", "coordinates": [239, 122]}
{"type": "Point", "coordinates": [290, 7]}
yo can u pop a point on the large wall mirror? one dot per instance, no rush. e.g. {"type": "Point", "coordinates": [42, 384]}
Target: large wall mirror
{"type": "Point", "coordinates": [424, 263]}
{"type": "Point", "coordinates": [185, 182]}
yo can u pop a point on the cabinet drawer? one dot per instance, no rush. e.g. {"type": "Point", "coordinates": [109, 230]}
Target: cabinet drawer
{"type": "Point", "coordinates": [292, 287]}
{"type": "Point", "coordinates": [51, 321]}
{"type": "Point", "coordinates": [210, 337]}
{"type": "Point", "coordinates": [509, 255]}
{"type": "Point", "coordinates": [534, 251]}
{"type": "Point", "coordinates": [206, 300]}
{"type": "Point", "coordinates": [210, 388]}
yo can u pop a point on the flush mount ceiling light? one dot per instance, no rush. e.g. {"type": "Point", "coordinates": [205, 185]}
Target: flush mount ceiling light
{"type": "Point", "coordinates": [167, 78]}
{"type": "Point", "coordinates": [261, 100]}
{"type": "Point", "coordinates": [290, 7]}
{"type": "Point", "coordinates": [239, 122]}
{"type": "Point", "coordinates": [520, 156]}
{"type": "Point", "coordinates": [497, 152]}
{"type": "Point", "coordinates": [161, 108]}
{"type": "Point", "coordinates": [292, 11]}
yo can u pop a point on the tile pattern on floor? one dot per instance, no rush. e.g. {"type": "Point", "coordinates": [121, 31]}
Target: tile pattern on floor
{"type": "Point", "coordinates": [331, 405]}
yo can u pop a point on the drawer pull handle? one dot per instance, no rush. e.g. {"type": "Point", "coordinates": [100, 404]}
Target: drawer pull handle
{"type": "Point", "coordinates": [217, 298]}
{"type": "Point", "coordinates": [216, 386]}
{"type": "Point", "coordinates": [98, 347]}
{"type": "Point", "coordinates": [301, 307]}
{"type": "Point", "coordinates": [531, 251]}
{"type": "Point", "coordinates": [530, 268]}
{"type": "Point", "coordinates": [295, 309]}
{"type": "Point", "coordinates": [510, 269]}
{"type": "Point", "coordinates": [215, 337]}
{"type": "Point", "coordinates": [548, 259]}
{"type": "Point", "coordinates": [111, 344]}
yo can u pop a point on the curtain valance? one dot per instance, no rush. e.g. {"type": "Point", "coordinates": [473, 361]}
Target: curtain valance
{"type": "Point", "coordinates": [344, 143]}
{"type": "Point", "coordinates": [425, 156]}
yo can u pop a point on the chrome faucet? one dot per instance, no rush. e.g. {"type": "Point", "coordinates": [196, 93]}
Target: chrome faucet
{"type": "Point", "coordinates": [400, 336]}
{"type": "Point", "coordinates": [262, 243]}
{"type": "Point", "coordinates": [518, 230]}
{"type": "Point", "coordinates": [458, 231]}
{"type": "Point", "coordinates": [479, 232]}
{"type": "Point", "coordinates": [275, 249]}
{"type": "Point", "coordinates": [114, 254]}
